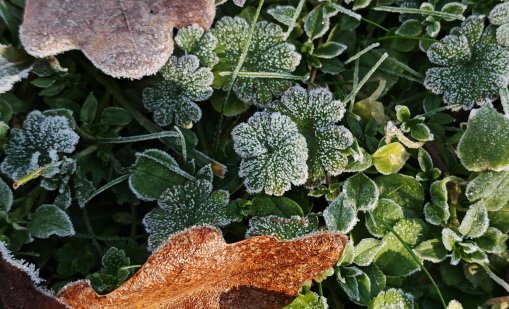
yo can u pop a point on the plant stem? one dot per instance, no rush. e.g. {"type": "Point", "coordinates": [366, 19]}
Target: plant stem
{"type": "Point", "coordinates": [110, 184]}
{"type": "Point", "coordinates": [294, 18]}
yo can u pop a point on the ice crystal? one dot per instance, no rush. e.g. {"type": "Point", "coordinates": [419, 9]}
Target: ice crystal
{"type": "Point", "coordinates": [273, 153]}
{"type": "Point", "coordinates": [37, 144]}
{"type": "Point", "coordinates": [472, 65]}
{"type": "Point", "coordinates": [183, 206]}
{"type": "Point", "coordinates": [173, 99]}
{"type": "Point", "coordinates": [194, 40]}
{"type": "Point", "coordinates": [268, 53]}
{"type": "Point", "coordinates": [316, 114]}
{"type": "Point", "coordinates": [282, 228]}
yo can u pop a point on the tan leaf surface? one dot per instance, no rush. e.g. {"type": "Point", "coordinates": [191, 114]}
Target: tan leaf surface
{"type": "Point", "coordinates": [196, 268]}
{"type": "Point", "coordinates": [123, 38]}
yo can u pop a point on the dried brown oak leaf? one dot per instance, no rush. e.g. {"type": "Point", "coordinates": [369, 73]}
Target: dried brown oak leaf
{"type": "Point", "coordinates": [196, 268]}
{"type": "Point", "coordinates": [18, 289]}
{"type": "Point", "coordinates": [123, 38]}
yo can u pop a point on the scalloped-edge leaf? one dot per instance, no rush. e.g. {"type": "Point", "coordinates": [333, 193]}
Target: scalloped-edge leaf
{"type": "Point", "coordinates": [340, 215]}
{"type": "Point", "coordinates": [282, 228]}
{"type": "Point", "coordinates": [6, 197]}
{"type": "Point", "coordinates": [50, 220]}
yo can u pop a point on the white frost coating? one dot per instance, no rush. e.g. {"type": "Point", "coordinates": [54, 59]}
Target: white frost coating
{"type": "Point", "coordinates": [472, 65]}
{"type": "Point", "coordinates": [173, 100]}
{"type": "Point", "coordinates": [282, 228]}
{"type": "Point", "coordinates": [340, 215]}
{"type": "Point", "coordinates": [50, 220]}
{"type": "Point", "coordinates": [20, 264]}
{"type": "Point", "coordinates": [316, 114]}
{"type": "Point", "coordinates": [268, 52]}
{"type": "Point", "coordinates": [499, 15]}
{"type": "Point", "coordinates": [393, 298]}
{"type": "Point", "coordinates": [6, 197]}
{"type": "Point", "coordinates": [183, 206]}
{"type": "Point", "coordinates": [195, 40]}
{"type": "Point", "coordinates": [476, 221]}
{"type": "Point", "coordinates": [13, 69]}
{"type": "Point", "coordinates": [273, 153]}
{"type": "Point", "coordinates": [37, 144]}
{"type": "Point", "coordinates": [450, 238]}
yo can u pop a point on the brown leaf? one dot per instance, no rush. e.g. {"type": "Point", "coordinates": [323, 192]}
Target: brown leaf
{"type": "Point", "coordinates": [124, 38]}
{"type": "Point", "coordinates": [196, 268]}
{"type": "Point", "coordinates": [18, 285]}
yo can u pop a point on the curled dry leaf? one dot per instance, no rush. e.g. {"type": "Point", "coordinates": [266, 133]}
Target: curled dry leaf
{"type": "Point", "coordinates": [123, 38]}
{"type": "Point", "coordinates": [196, 268]}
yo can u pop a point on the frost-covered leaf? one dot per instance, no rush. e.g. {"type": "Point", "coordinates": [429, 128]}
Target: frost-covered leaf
{"type": "Point", "coordinates": [389, 159]}
{"type": "Point", "coordinates": [316, 115]}
{"type": "Point", "coordinates": [499, 15]}
{"type": "Point", "coordinates": [437, 211]}
{"type": "Point", "coordinates": [410, 27]}
{"type": "Point", "coordinates": [283, 14]}
{"type": "Point", "coordinates": [37, 144]}
{"type": "Point", "coordinates": [6, 197]}
{"type": "Point", "coordinates": [318, 21]}
{"type": "Point", "coordinates": [348, 254]}
{"type": "Point", "coordinates": [340, 215]}
{"type": "Point", "coordinates": [267, 53]}
{"type": "Point", "coordinates": [476, 221]}
{"type": "Point", "coordinates": [138, 34]}
{"type": "Point", "coordinates": [361, 284]}
{"type": "Point", "coordinates": [195, 40]}
{"type": "Point", "coordinates": [394, 259]}
{"type": "Point", "coordinates": [15, 66]}
{"type": "Point", "coordinates": [485, 144]}
{"type": "Point", "coordinates": [50, 220]}
{"type": "Point", "coordinates": [432, 250]}
{"type": "Point", "coordinates": [173, 100]}
{"type": "Point", "coordinates": [366, 250]}
{"type": "Point", "coordinates": [472, 65]}
{"type": "Point", "coordinates": [392, 298]}
{"type": "Point", "coordinates": [198, 269]}
{"type": "Point", "coordinates": [361, 192]}
{"type": "Point", "coordinates": [282, 228]}
{"type": "Point", "coordinates": [491, 189]}
{"type": "Point", "coordinates": [273, 153]}
{"type": "Point", "coordinates": [454, 304]}
{"type": "Point", "coordinates": [329, 50]}
{"type": "Point", "coordinates": [154, 171]}
{"type": "Point", "coordinates": [450, 238]}
{"type": "Point", "coordinates": [405, 190]}
{"type": "Point", "coordinates": [263, 206]}
{"type": "Point", "coordinates": [57, 175]}
{"type": "Point", "coordinates": [112, 273]}
{"type": "Point", "coordinates": [309, 300]}
{"type": "Point", "coordinates": [388, 211]}
{"type": "Point", "coordinates": [493, 241]}
{"type": "Point", "coordinates": [183, 206]}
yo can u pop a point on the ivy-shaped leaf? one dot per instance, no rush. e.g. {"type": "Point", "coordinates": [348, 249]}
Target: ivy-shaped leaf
{"type": "Point", "coordinates": [316, 114]}
{"type": "Point", "coordinates": [195, 40]}
{"type": "Point", "coordinates": [485, 144]}
{"type": "Point", "coordinates": [173, 100]}
{"type": "Point", "coordinates": [282, 228]}
{"type": "Point", "coordinates": [50, 220]}
{"type": "Point", "coordinates": [472, 65]}
{"type": "Point", "coordinates": [183, 206]}
{"type": "Point", "coordinates": [273, 153]}
{"type": "Point", "coordinates": [37, 144]}
{"type": "Point", "coordinates": [268, 52]}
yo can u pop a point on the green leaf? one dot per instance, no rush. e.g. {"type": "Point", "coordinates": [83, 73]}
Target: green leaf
{"type": "Point", "coordinates": [361, 192]}
{"type": "Point", "coordinates": [112, 274]}
{"type": "Point", "coordinates": [282, 228]}
{"type": "Point", "coordinates": [89, 109]}
{"type": "Point", "coordinates": [316, 114]}
{"type": "Point", "coordinates": [280, 206]}
{"type": "Point", "coordinates": [437, 212]}
{"type": "Point", "coordinates": [116, 116]}
{"type": "Point", "coordinates": [476, 221]}
{"type": "Point", "coordinates": [283, 14]}
{"type": "Point", "coordinates": [392, 298]}
{"type": "Point", "coordinates": [183, 206]}
{"type": "Point", "coordinates": [366, 250]}
{"type": "Point", "coordinates": [499, 15]}
{"type": "Point", "coordinates": [402, 189]}
{"type": "Point", "coordinates": [15, 64]}
{"type": "Point", "coordinates": [455, 8]}
{"type": "Point", "coordinates": [402, 113]}
{"type": "Point", "coordinates": [273, 153]}
{"type": "Point", "coordinates": [50, 220]}
{"type": "Point", "coordinates": [394, 259]}
{"type": "Point", "coordinates": [268, 52]}
{"type": "Point", "coordinates": [389, 159]}
{"type": "Point", "coordinates": [493, 241]}
{"type": "Point", "coordinates": [421, 132]}
{"type": "Point", "coordinates": [348, 254]}
{"type": "Point", "coordinates": [37, 144]}
{"type": "Point", "coordinates": [485, 144]}
{"type": "Point", "coordinates": [329, 50]}
{"type": "Point", "coordinates": [425, 161]}
{"type": "Point", "coordinates": [491, 189]}
{"type": "Point", "coordinates": [194, 40]}
{"type": "Point", "coordinates": [340, 215]}
{"type": "Point", "coordinates": [388, 211]}
{"type": "Point", "coordinates": [173, 100]}
{"type": "Point", "coordinates": [6, 197]}
{"type": "Point", "coordinates": [309, 300]}
{"type": "Point", "coordinates": [317, 22]}
{"type": "Point", "coordinates": [454, 304]}
{"type": "Point", "coordinates": [154, 171]}
{"type": "Point", "coordinates": [75, 256]}
{"type": "Point", "coordinates": [355, 283]}
{"type": "Point", "coordinates": [431, 250]}
{"type": "Point", "coordinates": [410, 27]}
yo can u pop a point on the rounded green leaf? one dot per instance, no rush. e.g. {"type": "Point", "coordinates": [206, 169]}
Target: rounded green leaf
{"type": "Point", "coordinates": [340, 215]}
{"type": "Point", "coordinates": [388, 211]}
{"type": "Point", "coordinates": [392, 298]}
{"type": "Point", "coordinates": [405, 190]}
{"type": "Point", "coordinates": [389, 159]}
{"type": "Point", "coordinates": [361, 192]}
{"type": "Point", "coordinates": [50, 220]}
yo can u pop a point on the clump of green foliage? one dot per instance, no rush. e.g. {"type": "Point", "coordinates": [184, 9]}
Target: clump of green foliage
{"type": "Point", "coordinates": [384, 120]}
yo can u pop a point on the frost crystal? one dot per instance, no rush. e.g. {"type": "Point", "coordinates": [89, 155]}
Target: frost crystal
{"type": "Point", "coordinates": [273, 153]}
{"type": "Point", "coordinates": [472, 65]}
{"type": "Point", "coordinates": [282, 228]}
{"type": "Point", "coordinates": [194, 40]}
{"type": "Point", "coordinates": [316, 114]}
{"type": "Point", "coordinates": [268, 53]}
{"type": "Point", "coordinates": [38, 143]}
{"type": "Point", "coordinates": [183, 206]}
{"type": "Point", "coordinates": [499, 16]}
{"type": "Point", "coordinates": [173, 99]}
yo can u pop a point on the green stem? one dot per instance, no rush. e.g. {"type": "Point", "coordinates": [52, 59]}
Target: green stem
{"type": "Point", "coordinates": [402, 10]}
{"type": "Point", "coordinates": [136, 138]}
{"type": "Point", "coordinates": [271, 75]}
{"type": "Point", "coordinates": [294, 18]}
{"type": "Point", "coordinates": [495, 278]}
{"type": "Point", "coordinates": [362, 52]}
{"type": "Point", "coordinates": [366, 78]}
{"type": "Point", "coordinates": [106, 187]}
{"type": "Point", "coordinates": [320, 289]}
{"type": "Point", "coordinates": [390, 37]}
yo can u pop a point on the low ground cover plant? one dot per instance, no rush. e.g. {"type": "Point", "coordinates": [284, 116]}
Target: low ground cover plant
{"type": "Point", "coordinates": [383, 120]}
